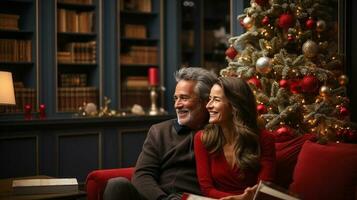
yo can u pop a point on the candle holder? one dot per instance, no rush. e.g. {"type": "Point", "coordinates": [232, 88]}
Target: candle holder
{"type": "Point", "coordinates": [153, 97]}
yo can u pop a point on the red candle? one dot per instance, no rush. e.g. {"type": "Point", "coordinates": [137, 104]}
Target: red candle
{"type": "Point", "coordinates": [42, 111]}
{"type": "Point", "coordinates": [27, 111]}
{"type": "Point", "coordinates": [153, 76]}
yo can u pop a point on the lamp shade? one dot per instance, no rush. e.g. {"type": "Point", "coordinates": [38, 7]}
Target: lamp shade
{"type": "Point", "coordinates": [7, 95]}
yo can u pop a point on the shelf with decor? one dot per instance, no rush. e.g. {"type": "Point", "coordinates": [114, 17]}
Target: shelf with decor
{"type": "Point", "coordinates": [19, 52]}
{"type": "Point", "coordinates": [78, 57]}
{"type": "Point", "coordinates": [140, 48]}
{"type": "Point", "coordinates": [205, 26]}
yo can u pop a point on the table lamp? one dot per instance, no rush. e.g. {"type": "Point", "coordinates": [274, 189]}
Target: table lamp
{"type": "Point", "coordinates": [7, 94]}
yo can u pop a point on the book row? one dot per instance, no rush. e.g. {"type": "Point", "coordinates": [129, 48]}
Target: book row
{"type": "Point", "coordinates": [71, 98]}
{"type": "Point", "coordinates": [135, 31]}
{"type": "Point", "coordinates": [12, 50]}
{"type": "Point", "coordinates": [73, 80]}
{"type": "Point", "coordinates": [136, 5]}
{"type": "Point", "coordinates": [9, 21]}
{"type": "Point", "coordinates": [74, 21]}
{"type": "Point", "coordinates": [86, 2]}
{"type": "Point", "coordinates": [140, 55]}
{"type": "Point", "coordinates": [78, 52]}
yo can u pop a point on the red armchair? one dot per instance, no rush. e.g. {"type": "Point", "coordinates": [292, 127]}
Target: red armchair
{"type": "Point", "coordinates": [97, 180]}
{"type": "Point", "coordinates": [286, 153]}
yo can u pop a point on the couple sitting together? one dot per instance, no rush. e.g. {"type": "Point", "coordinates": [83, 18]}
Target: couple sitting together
{"type": "Point", "coordinates": [214, 148]}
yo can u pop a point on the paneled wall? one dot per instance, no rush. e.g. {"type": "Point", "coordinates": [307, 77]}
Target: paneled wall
{"type": "Point", "coordinates": [71, 147]}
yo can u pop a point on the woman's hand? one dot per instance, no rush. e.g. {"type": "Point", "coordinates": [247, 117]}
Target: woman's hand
{"type": "Point", "coordinates": [247, 195]}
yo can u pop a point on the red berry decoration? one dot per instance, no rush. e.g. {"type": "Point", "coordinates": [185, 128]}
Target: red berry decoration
{"type": "Point", "coordinates": [309, 84]}
{"type": "Point", "coordinates": [255, 81]}
{"type": "Point", "coordinates": [284, 83]}
{"type": "Point", "coordinates": [310, 23]}
{"type": "Point", "coordinates": [261, 109]}
{"type": "Point", "coordinates": [265, 20]}
{"type": "Point", "coordinates": [231, 52]}
{"type": "Point", "coordinates": [286, 21]}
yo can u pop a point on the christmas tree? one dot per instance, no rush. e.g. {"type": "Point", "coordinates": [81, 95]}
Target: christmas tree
{"type": "Point", "coordinates": [289, 54]}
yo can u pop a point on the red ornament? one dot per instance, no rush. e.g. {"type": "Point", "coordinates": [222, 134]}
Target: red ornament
{"type": "Point", "coordinates": [261, 2]}
{"type": "Point", "coordinates": [309, 84]}
{"type": "Point", "coordinates": [310, 23]}
{"type": "Point", "coordinates": [153, 77]}
{"type": "Point", "coordinates": [347, 135]}
{"type": "Point", "coordinates": [284, 83]}
{"type": "Point", "coordinates": [255, 81]}
{"type": "Point", "coordinates": [295, 87]}
{"type": "Point", "coordinates": [283, 130]}
{"type": "Point", "coordinates": [340, 134]}
{"type": "Point", "coordinates": [351, 136]}
{"type": "Point", "coordinates": [283, 133]}
{"type": "Point", "coordinates": [261, 109]}
{"type": "Point", "coordinates": [231, 52]}
{"type": "Point", "coordinates": [265, 20]}
{"type": "Point", "coordinates": [344, 112]}
{"type": "Point", "coordinates": [291, 37]}
{"type": "Point", "coordinates": [286, 21]}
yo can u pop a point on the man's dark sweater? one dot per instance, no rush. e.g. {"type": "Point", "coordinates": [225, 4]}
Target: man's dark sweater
{"type": "Point", "coordinates": [166, 164]}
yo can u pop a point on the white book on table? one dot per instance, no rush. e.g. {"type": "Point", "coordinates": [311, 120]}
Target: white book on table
{"type": "Point", "coordinates": [44, 186]}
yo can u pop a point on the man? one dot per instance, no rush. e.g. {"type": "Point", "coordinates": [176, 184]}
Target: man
{"type": "Point", "coordinates": [166, 166]}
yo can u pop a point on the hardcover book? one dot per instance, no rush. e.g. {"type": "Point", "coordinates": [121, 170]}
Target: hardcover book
{"type": "Point", "coordinates": [189, 196]}
{"type": "Point", "coordinates": [44, 186]}
{"type": "Point", "coordinates": [269, 191]}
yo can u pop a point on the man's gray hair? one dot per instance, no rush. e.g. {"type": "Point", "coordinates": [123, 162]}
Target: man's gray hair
{"type": "Point", "coordinates": [204, 78]}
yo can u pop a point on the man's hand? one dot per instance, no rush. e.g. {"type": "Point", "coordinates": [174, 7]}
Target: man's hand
{"type": "Point", "coordinates": [247, 195]}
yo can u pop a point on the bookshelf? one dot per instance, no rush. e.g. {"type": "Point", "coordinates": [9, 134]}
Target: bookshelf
{"type": "Point", "coordinates": [19, 51]}
{"type": "Point", "coordinates": [140, 48]}
{"type": "Point", "coordinates": [205, 25]}
{"type": "Point", "coordinates": [78, 54]}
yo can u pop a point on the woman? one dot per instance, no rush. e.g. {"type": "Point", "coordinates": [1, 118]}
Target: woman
{"type": "Point", "coordinates": [232, 154]}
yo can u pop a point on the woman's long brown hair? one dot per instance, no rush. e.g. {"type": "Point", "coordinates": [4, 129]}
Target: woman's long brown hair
{"type": "Point", "coordinates": [247, 145]}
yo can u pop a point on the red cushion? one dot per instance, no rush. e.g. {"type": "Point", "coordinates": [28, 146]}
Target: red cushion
{"type": "Point", "coordinates": [97, 180]}
{"type": "Point", "coordinates": [286, 157]}
{"type": "Point", "coordinates": [326, 171]}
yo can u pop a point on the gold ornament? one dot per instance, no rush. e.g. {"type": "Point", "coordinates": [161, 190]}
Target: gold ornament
{"type": "Point", "coordinates": [320, 25]}
{"type": "Point", "coordinates": [263, 65]}
{"type": "Point", "coordinates": [343, 80]}
{"type": "Point", "coordinates": [310, 49]}
{"type": "Point", "coordinates": [247, 22]}
{"type": "Point", "coordinates": [325, 91]}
